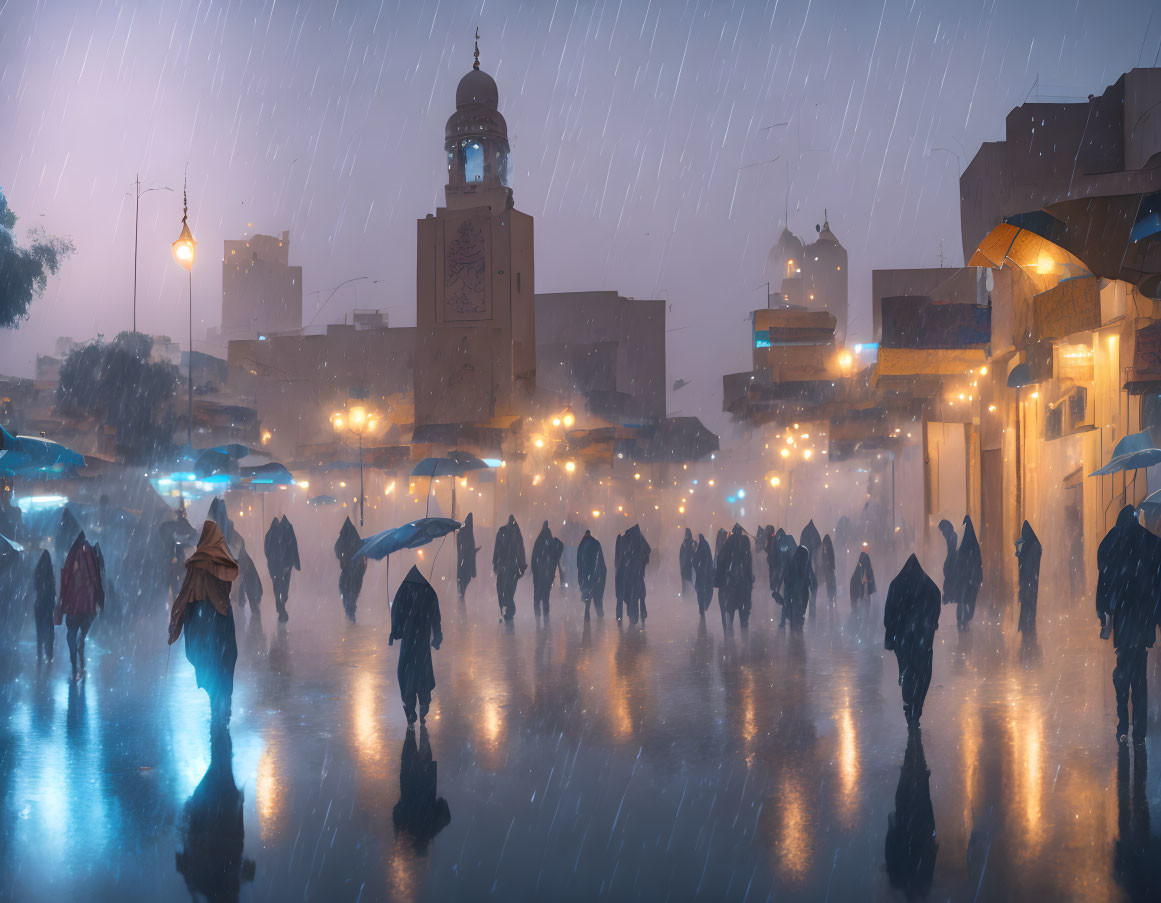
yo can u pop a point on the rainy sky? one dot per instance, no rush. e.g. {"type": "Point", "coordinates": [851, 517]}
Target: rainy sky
{"type": "Point", "coordinates": [635, 130]}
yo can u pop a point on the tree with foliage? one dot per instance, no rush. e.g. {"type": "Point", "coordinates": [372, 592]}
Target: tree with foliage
{"type": "Point", "coordinates": [117, 383]}
{"type": "Point", "coordinates": [24, 272]}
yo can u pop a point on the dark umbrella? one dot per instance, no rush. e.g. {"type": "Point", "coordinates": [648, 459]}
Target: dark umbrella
{"type": "Point", "coordinates": [409, 536]}
{"type": "Point", "coordinates": [456, 464]}
{"type": "Point", "coordinates": [31, 455]}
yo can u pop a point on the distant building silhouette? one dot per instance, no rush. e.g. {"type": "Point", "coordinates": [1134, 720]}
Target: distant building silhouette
{"type": "Point", "coordinates": [811, 276]}
{"type": "Point", "coordinates": [261, 291]}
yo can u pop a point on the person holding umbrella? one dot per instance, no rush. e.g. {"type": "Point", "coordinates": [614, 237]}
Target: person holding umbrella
{"type": "Point", "coordinates": [415, 622]}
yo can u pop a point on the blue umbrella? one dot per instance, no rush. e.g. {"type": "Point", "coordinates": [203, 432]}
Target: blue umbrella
{"type": "Point", "coordinates": [1132, 452]}
{"type": "Point", "coordinates": [456, 464]}
{"type": "Point", "coordinates": [409, 536]}
{"type": "Point", "coordinates": [30, 456]}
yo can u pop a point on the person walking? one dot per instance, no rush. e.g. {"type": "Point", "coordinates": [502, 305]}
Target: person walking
{"type": "Point", "coordinates": [44, 595]}
{"type": "Point", "coordinates": [82, 597]}
{"type": "Point", "coordinates": [466, 550]}
{"type": "Point", "coordinates": [591, 573]}
{"type": "Point", "coordinates": [910, 619]}
{"type": "Point", "coordinates": [415, 623]}
{"type": "Point", "coordinates": [509, 565]}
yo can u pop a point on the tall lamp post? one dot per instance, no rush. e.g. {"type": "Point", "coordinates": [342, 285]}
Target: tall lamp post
{"type": "Point", "coordinates": [357, 421]}
{"type": "Point", "coordinates": [183, 253]}
{"type": "Point", "coordinates": [136, 225]}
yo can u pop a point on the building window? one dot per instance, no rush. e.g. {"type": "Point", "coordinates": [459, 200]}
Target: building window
{"type": "Point", "coordinates": [474, 162]}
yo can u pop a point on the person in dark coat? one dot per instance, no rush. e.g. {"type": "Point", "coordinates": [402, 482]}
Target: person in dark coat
{"type": "Point", "coordinates": [1128, 560]}
{"type": "Point", "coordinates": [466, 550]}
{"type": "Point", "coordinates": [1028, 569]}
{"type": "Point", "coordinates": [202, 609]}
{"type": "Point", "coordinates": [509, 565]}
{"type": "Point", "coordinates": [685, 562]}
{"type": "Point", "coordinates": [779, 554]}
{"type": "Point", "coordinates": [416, 624]}
{"type": "Point", "coordinates": [812, 540]}
{"type": "Point", "coordinates": [910, 619]}
{"type": "Point", "coordinates": [862, 580]}
{"type": "Point", "coordinates": [635, 553]}
{"type": "Point", "coordinates": [591, 573]}
{"type": "Point", "coordinates": [619, 573]}
{"type": "Point", "coordinates": [826, 556]}
{"type": "Point", "coordinates": [800, 583]}
{"type": "Point", "coordinates": [249, 583]}
{"type": "Point", "coordinates": [212, 832]}
{"type": "Point", "coordinates": [911, 847]}
{"type": "Point", "coordinates": [969, 575]}
{"type": "Point", "coordinates": [66, 534]}
{"type": "Point", "coordinates": [546, 554]}
{"type": "Point", "coordinates": [281, 549]}
{"type": "Point", "coordinates": [719, 541]}
{"type": "Point", "coordinates": [703, 574]}
{"type": "Point", "coordinates": [734, 579]}
{"type": "Point", "coordinates": [351, 569]}
{"type": "Point", "coordinates": [420, 813]}
{"type": "Point", "coordinates": [44, 594]}
{"type": "Point", "coordinates": [949, 561]}
{"type": "Point", "coordinates": [82, 597]}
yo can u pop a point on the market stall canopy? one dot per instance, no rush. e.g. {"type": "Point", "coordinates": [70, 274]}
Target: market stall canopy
{"type": "Point", "coordinates": [30, 456]}
{"type": "Point", "coordinates": [1133, 452]}
{"type": "Point", "coordinates": [1025, 248]}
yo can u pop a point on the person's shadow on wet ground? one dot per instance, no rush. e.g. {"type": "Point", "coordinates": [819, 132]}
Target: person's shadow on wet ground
{"type": "Point", "coordinates": [911, 847]}
{"type": "Point", "coordinates": [1136, 852]}
{"type": "Point", "coordinates": [420, 813]}
{"type": "Point", "coordinates": [211, 861]}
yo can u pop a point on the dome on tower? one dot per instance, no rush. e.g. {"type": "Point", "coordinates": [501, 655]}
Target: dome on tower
{"type": "Point", "coordinates": [477, 87]}
{"type": "Point", "coordinates": [477, 99]}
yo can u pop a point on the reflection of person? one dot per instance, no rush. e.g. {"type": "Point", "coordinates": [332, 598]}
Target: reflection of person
{"type": "Point", "coordinates": [910, 619]}
{"type": "Point", "coordinates": [351, 569]}
{"type": "Point", "coordinates": [420, 813]}
{"type": "Point", "coordinates": [82, 596]}
{"type": "Point", "coordinates": [213, 835]}
{"type": "Point", "coordinates": [1128, 559]}
{"type": "Point", "coordinates": [466, 550]}
{"type": "Point", "coordinates": [1136, 853]}
{"type": "Point", "coordinates": [415, 622]}
{"type": "Point", "coordinates": [591, 573]}
{"type": "Point", "coordinates": [202, 609]}
{"type": "Point", "coordinates": [911, 847]}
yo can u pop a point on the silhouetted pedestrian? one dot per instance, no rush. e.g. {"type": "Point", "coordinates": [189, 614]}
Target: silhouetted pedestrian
{"type": "Point", "coordinates": [44, 596]}
{"type": "Point", "coordinates": [812, 540]}
{"type": "Point", "coordinates": [1128, 559]}
{"type": "Point", "coordinates": [1028, 569]}
{"type": "Point", "coordinates": [801, 584]}
{"type": "Point", "coordinates": [703, 574]}
{"type": "Point", "coordinates": [466, 550]}
{"type": "Point", "coordinates": [826, 556]}
{"type": "Point", "coordinates": [719, 541]}
{"type": "Point", "coordinates": [351, 568]}
{"type": "Point", "coordinates": [282, 560]}
{"type": "Point", "coordinates": [202, 609]}
{"type": "Point", "coordinates": [685, 562]}
{"type": "Point", "coordinates": [509, 565]}
{"type": "Point", "coordinates": [862, 580]}
{"type": "Point", "coordinates": [82, 597]}
{"type": "Point", "coordinates": [591, 573]}
{"type": "Point", "coordinates": [734, 579]}
{"type": "Point", "coordinates": [415, 622]}
{"type": "Point", "coordinates": [910, 619]}
{"type": "Point", "coordinates": [249, 584]}
{"type": "Point", "coordinates": [546, 554]}
{"type": "Point", "coordinates": [969, 566]}
{"type": "Point", "coordinates": [950, 575]}
{"type": "Point", "coordinates": [634, 552]}
{"type": "Point", "coordinates": [911, 847]}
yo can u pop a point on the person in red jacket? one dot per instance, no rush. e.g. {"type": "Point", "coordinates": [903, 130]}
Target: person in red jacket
{"type": "Point", "coordinates": [82, 597]}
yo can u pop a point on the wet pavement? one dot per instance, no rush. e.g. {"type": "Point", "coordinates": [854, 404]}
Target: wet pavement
{"type": "Point", "coordinates": [577, 762]}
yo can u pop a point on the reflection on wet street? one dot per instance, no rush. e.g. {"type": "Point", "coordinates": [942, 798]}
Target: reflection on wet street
{"type": "Point", "coordinates": [578, 761]}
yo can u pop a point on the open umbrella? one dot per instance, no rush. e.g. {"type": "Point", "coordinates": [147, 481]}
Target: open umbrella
{"type": "Point", "coordinates": [29, 455]}
{"type": "Point", "coordinates": [409, 536]}
{"type": "Point", "coordinates": [1133, 452]}
{"type": "Point", "coordinates": [456, 464]}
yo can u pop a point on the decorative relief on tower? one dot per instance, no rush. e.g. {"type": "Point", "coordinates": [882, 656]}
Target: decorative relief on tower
{"type": "Point", "coordinates": [466, 295]}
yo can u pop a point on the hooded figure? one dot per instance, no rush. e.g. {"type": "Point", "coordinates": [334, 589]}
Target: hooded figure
{"type": "Point", "coordinates": [82, 597]}
{"type": "Point", "coordinates": [969, 575]}
{"type": "Point", "coordinates": [703, 574]}
{"type": "Point", "coordinates": [591, 573]}
{"type": "Point", "coordinates": [351, 569]}
{"type": "Point", "coordinates": [465, 556]}
{"type": "Point", "coordinates": [420, 813]}
{"type": "Point", "coordinates": [44, 596]}
{"type": "Point", "coordinates": [779, 553]}
{"type": "Point", "coordinates": [249, 582]}
{"type": "Point", "coordinates": [1028, 568]}
{"type": "Point", "coordinates": [1128, 559]}
{"type": "Point", "coordinates": [734, 578]}
{"type": "Point", "coordinates": [949, 561]}
{"type": "Point", "coordinates": [546, 554]}
{"type": "Point", "coordinates": [509, 565]}
{"type": "Point", "coordinates": [719, 541]}
{"type": "Point", "coordinates": [801, 584]}
{"type": "Point", "coordinates": [415, 623]}
{"type": "Point", "coordinates": [213, 834]}
{"type": "Point", "coordinates": [281, 549]}
{"type": "Point", "coordinates": [633, 552]}
{"type": "Point", "coordinates": [911, 846]}
{"type": "Point", "coordinates": [826, 556]}
{"type": "Point", "coordinates": [910, 619]}
{"type": "Point", "coordinates": [202, 609]}
{"type": "Point", "coordinates": [812, 540]}
{"type": "Point", "coordinates": [862, 580]}
{"type": "Point", "coordinates": [685, 561]}
{"type": "Point", "coordinates": [67, 532]}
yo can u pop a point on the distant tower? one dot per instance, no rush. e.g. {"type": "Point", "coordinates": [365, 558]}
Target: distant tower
{"type": "Point", "coordinates": [476, 349]}
{"type": "Point", "coordinates": [784, 269]}
{"type": "Point", "coordinates": [261, 291]}
{"type": "Point", "coordinates": [825, 277]}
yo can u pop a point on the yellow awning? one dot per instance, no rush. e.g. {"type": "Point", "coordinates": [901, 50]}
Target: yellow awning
{"type": "Point", "coordinates": [929, 361]}
{"type": "Point", "coordinates": [1011, 244]}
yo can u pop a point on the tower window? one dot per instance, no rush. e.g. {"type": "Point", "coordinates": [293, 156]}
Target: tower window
{"type": "Point", "coordinates": [474, 162]}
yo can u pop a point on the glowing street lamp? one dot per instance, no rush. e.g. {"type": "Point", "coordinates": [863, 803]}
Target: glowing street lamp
{"type": "Point", "coordinates": [358, 421]}
{"type": "Point", "coordinates": [184, 250]}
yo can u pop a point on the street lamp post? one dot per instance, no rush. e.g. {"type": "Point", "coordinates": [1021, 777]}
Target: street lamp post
{"type": "Point", "coordinates": [358, 421]}
{"type": "Point", "coordinates": [183, 252]}
{"type": "Point", "coordinates": [136, 225]}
